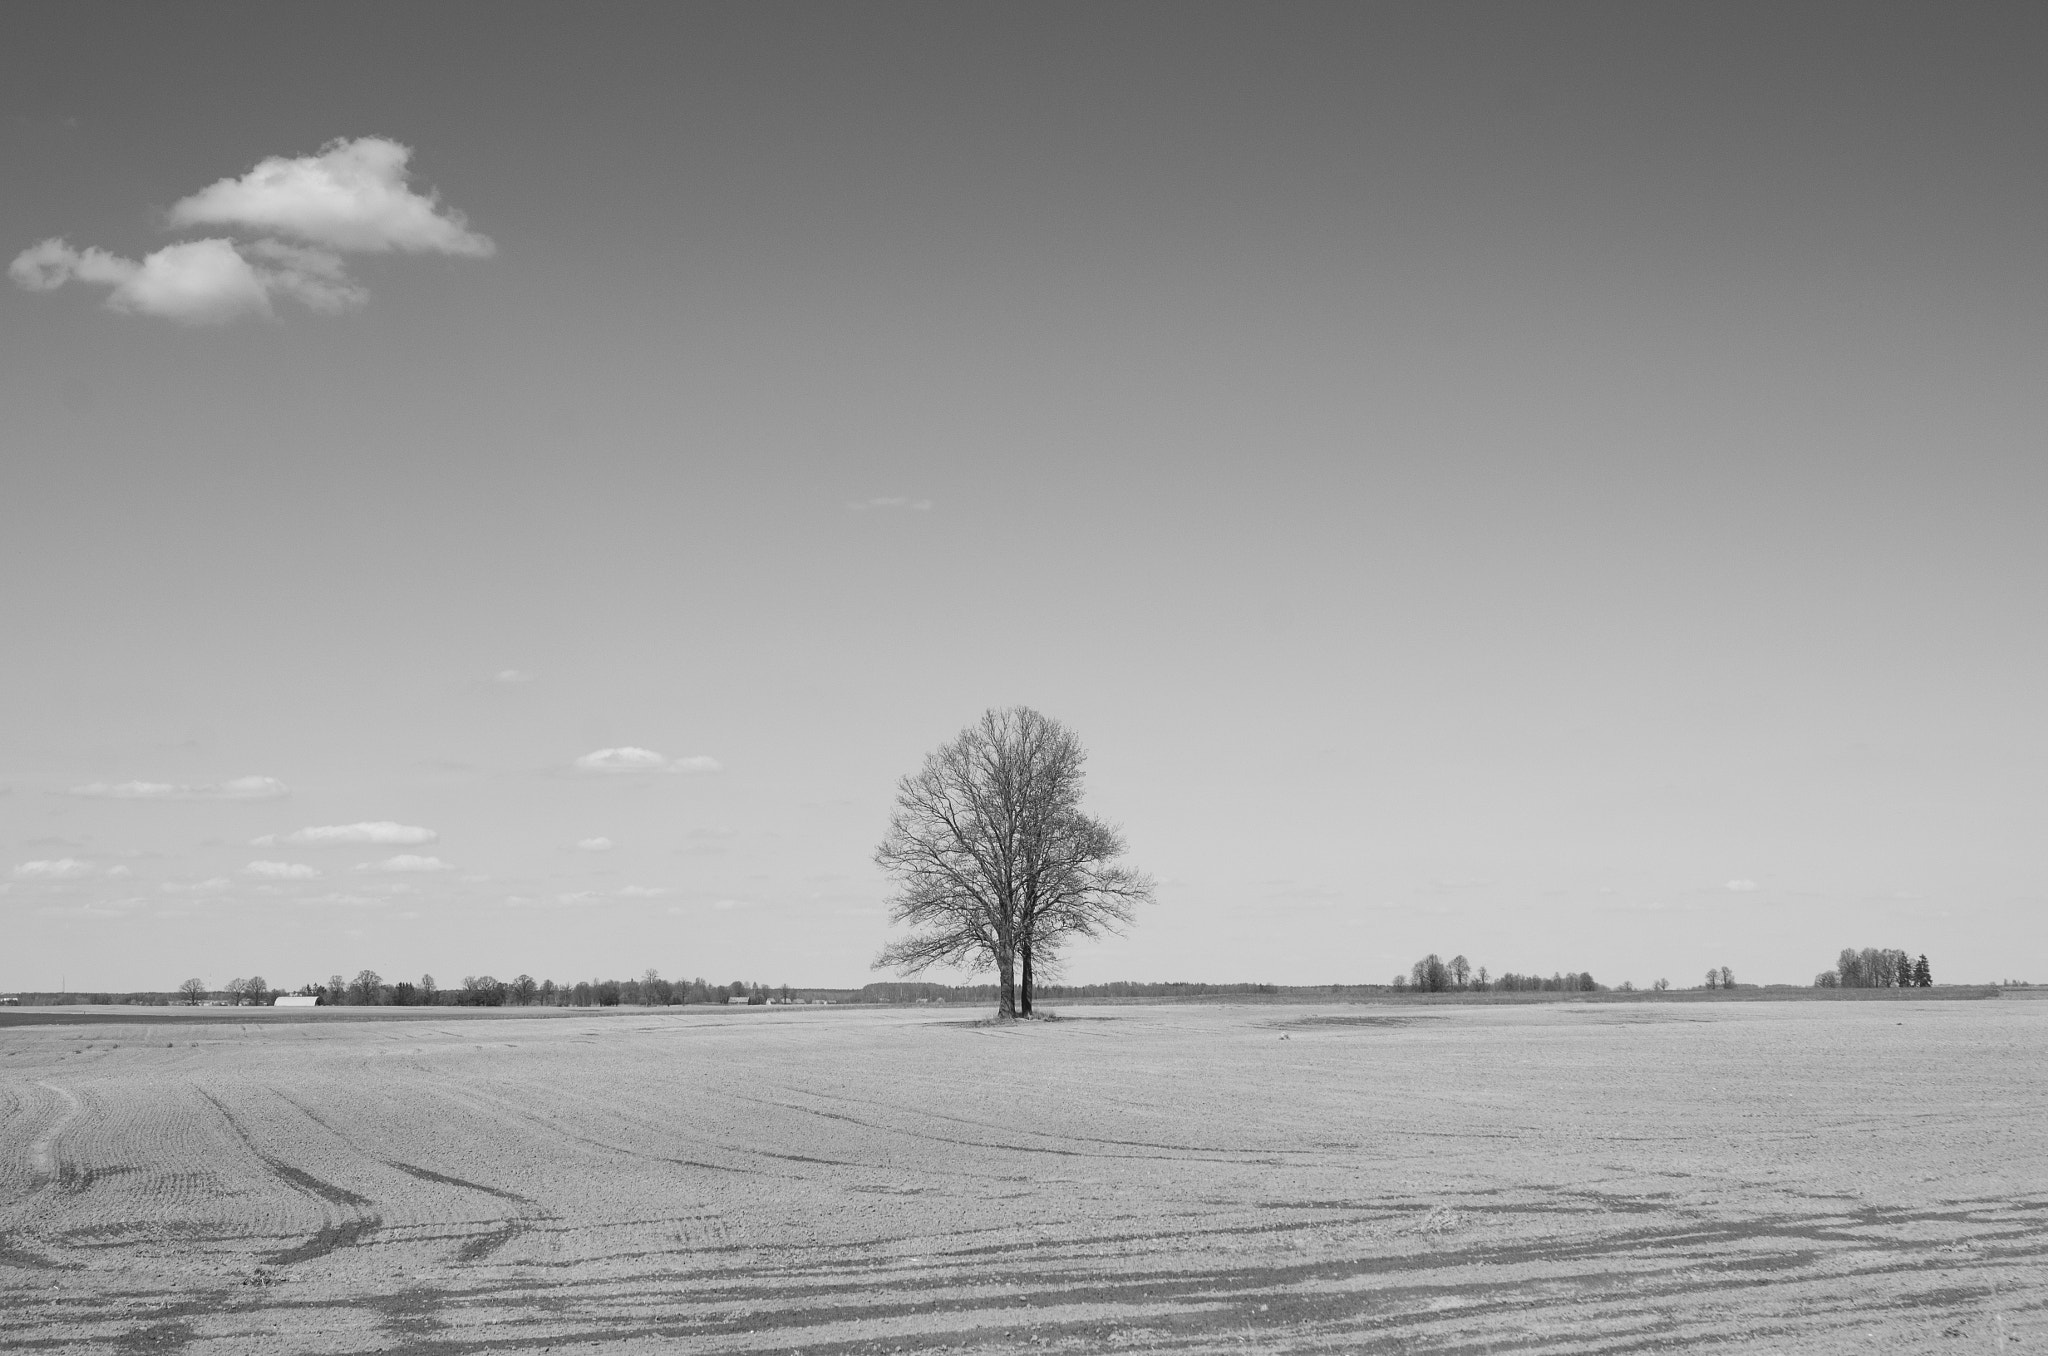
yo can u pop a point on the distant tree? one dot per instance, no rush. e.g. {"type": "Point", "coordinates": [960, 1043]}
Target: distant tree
{"type": "Point", "coordinates": [405, 993]}
{"type": "Point", "coordinates": [736, 989]}
{"type": "Point", "coordinates": [1849, 969]}
{"type": "Point", "coordinates": [1713, 977]}
{"type": "Point", "coordinates": [1626, 986]}
{"type": "Point", "coordinates": [429, 995]}
{"type": "Point", "coordinates": [1826, 979]}
{"type": "Point", "coordinates": [629, 992]}
{"type": "Point", "coordinates": [1727, 978]}
{"type": "Point", "coordinates": [580, 996]}
{"type": "Point", "coordinates": [606, 992]}
{"type": "Point", "coordinates": [1430, 974]}
{"type": "Point", "coordinates": [547, 992]}
{"type": "Point", "coordinates": [1661, 985]}
{"type": "Point", "coordinates": [337, 989]}
{"type": "Point", "coordinates": [1461, 971]}
{"type": "Point", "coordinates": [366, 988]}
{"type": "Point", "coordinates": [256, 989]}
{"type": "Point", "coordinates": [193, 991]}
{"type": "Point", "coordinates": [1480, 983]}
{"type": "Point", "coordinates": [523, 989]}
{"type": "Point", "coordinates": [1400, 983]}
{"type": "Point", "coordinates": [232, 991]}
{"type": "Point", "coordinates": [1923, 978]}
{"type": "Point", "coordinates": [482, 991]}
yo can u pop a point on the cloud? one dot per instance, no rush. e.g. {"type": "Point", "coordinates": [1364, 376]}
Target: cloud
{"type": "Point", "coordinates": [352, 196]}
{"type": "Point", "coordinates": [1741, 887]}
{"type": "Point", "coordinates": [406, 861]}
{"type": "Point", "coordinates": [240, 788]}
{"type": "Point", "coordinates": [280, 870]}
{"type": "Point", "coordinates": [630, 759]}
{"type": "Point", "coordinates": [197, 282]}
{"type": "Point", "coordinates": [594, 845]}
{"type": "Point", "coordinates": [382, 833]}
{"type": "Point", "coordinates": [892, 501]}
{"type": "Point", "coordinates": [63, 868]}
{"type": "Point", "coordinates": [211, 886]}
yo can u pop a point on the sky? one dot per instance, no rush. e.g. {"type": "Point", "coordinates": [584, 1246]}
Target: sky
{"type": "Point", "coordinates": [489, 489]}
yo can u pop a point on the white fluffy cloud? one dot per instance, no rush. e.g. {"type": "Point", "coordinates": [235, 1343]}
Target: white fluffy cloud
{"type": "Point", "coordinates": [380, 833]}
{"type": "Point", "coordinates": [644, 760]}
{"type": "Point", "coordinates": [594, 845]}
{"type": "Point", "coordinates": [240, 788]}
{"type": "Point", "coordinates": [352, 196]}
{"type": "Point", "coordinates": [407, 862]}
{"type": "Point", "coordinates": [280, 870]}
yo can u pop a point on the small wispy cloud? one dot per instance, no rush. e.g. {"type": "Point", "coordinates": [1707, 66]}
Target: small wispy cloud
{"type": "Point", "coordinates": [594, 845]}
{"type": "Point", "coordinates": [240, 788]}
{"type": "Point", "coordinates": [891, 501]}
{"type": "Point", "coordinates": [629, 759]}
{"type": "Point", "coordinates": [406, 862]}
{"type": "Point", "coordinates": [379, 833]}
{"type": "Point", "coordinates": [61, 868]}
{"type": "Point", "coordinates": [280, 870]}
{"type": "Point", "coordinates": [211, 886]}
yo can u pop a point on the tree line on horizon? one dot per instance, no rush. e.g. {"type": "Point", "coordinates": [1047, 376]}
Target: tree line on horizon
{"type": "Point", "coordinates": [1434, 974]}
{"type": "Point", "coordinates": [1872, 968]}
{"type": "Point", "coordinates": [370, 989]}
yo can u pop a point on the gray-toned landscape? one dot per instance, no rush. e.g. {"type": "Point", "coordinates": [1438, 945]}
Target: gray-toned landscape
{"type": "Point", "coordinates": [1001, 675]}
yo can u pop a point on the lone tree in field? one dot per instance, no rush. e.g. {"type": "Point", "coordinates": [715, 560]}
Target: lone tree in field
{"type": "Point", "coordinates": [994, 862]}
{"type": "Point", "coordinates": [193, 991]}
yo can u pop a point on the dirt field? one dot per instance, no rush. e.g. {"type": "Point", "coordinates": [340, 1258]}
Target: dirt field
{"type": "Point", "coordinates": [1579, 1177]}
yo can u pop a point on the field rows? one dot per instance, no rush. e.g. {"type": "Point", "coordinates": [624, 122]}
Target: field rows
{"type": "Point", "coordinates": [1582, 1178]}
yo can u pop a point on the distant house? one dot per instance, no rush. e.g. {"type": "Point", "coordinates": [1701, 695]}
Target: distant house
{"type": "Point", "coordinates": [738, 1001]}
{"type": "Point", "coordinates": [292, 1000]}
{"type": "Point", "coordinates": [10, 1002]}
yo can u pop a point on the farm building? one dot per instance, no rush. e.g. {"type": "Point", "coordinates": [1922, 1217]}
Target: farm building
{"type": "Point", "coordinates": [292, 1000]}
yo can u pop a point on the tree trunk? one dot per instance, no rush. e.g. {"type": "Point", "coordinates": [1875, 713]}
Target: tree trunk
{"type": "Point", "coordinates": [1024, 986]}
{"type": "Point", "coordinates": [1006, 994]}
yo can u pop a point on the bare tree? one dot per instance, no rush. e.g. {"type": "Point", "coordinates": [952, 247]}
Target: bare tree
{"type": "Point", "coordinates": [1461, 971]}
{"type": "Point", "coordinates": [994, 863]}
{"type": "Point", "coordinates": [366, 988]}
{"type": "Point", "coordinates": [193, 991]}
{"type": "Point", "coordinates": [1713, 977]}
{"type": "Point", "coordinates": [256, 990]}
{"type": "Point", "coordinates": [1661, 985]}
{"type": "Point", "coordinates": [1727, 978]}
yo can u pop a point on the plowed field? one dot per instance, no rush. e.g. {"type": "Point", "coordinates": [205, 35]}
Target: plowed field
{"type": "Point", "coordinates": [1580, 1177]}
